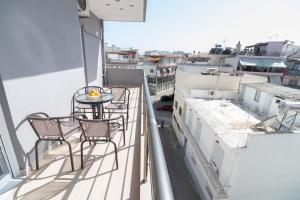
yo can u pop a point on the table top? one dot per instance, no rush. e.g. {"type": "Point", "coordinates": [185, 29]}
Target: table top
{"type": "Point", "coordinates": [85, 99]}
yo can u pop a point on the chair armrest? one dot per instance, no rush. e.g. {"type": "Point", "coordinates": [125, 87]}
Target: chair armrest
{"type": "Point", "coordinates": [37, 114]}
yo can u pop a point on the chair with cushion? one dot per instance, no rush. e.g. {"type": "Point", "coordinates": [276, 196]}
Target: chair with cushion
{"type": "Point", "coordinates": [120, 103]}
{"type": "Point", "coordinates": [52, 129]}
{"type": "Point", "coordinates": [101, 130]}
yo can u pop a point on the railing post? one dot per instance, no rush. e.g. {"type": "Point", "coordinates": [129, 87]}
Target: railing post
{"type": "Point", "coordinates": [146, 137]}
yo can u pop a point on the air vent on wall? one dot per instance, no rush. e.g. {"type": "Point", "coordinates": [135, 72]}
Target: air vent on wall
{"type": "Point", "coordinates": [83, 9]}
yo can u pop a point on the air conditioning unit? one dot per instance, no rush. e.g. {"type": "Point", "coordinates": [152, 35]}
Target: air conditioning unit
{"type": "Point", "coordinates": [83, 8]}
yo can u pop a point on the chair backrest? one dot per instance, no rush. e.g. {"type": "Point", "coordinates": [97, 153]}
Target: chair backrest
{"type": "Point", "coordinates": [120, 94]}
{"type": "Point", "coordinates": [45, 126]}
{"type": "Point", "coordinates": [95, 128]}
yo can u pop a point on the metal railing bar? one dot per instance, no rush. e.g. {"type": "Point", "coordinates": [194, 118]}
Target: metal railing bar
{"type": "Point", "coordinates": [160, 178]}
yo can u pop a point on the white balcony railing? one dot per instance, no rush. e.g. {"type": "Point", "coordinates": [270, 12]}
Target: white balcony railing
{"type": "Point", "coordinates": [154, 159]}
{"type": "Point", "coordinates": [219, 190]}
{"type": "Point", "coordinates": [121, 60]}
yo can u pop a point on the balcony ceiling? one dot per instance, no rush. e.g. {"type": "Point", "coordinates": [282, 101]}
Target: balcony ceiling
{"type": "Point", "coordinates": [119, 10]}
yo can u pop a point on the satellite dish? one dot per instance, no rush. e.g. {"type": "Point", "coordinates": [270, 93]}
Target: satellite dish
{"type": "Point", "coordinates": [81, 4]}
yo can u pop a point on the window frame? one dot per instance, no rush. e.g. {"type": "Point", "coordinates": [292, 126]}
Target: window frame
{"type": "Point", "coordinates": [257, 96]}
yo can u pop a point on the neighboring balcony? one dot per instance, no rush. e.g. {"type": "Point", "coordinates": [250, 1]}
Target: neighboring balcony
{"type": "Point", "coordinates": [121, 61]}
{"type": "Point", "coordinates": [219, 191]}
{"type": "Point", "coordinates": [142, 172]}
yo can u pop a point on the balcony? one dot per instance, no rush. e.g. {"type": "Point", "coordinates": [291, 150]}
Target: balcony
{"type": "Point", "coordinates": [142, 172]}
{"type": "Point", "coordinates": [219, 190]}
{"type": "Point", "coordinates": [121, 61]}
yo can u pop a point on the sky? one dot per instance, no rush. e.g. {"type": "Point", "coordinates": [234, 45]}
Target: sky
{"type": "Point", "coordinates": [197, 25]}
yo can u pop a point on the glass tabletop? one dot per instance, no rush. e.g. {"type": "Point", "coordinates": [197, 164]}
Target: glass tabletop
{"type": "Point", "coordinates": [103, 98]}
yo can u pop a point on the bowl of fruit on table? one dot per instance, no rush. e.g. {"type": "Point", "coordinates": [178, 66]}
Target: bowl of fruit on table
{"type": "Point", "coordinates": [93, 94]}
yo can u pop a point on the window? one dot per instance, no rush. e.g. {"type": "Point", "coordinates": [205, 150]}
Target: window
{"type": "Point", "coordinates": [176, 104]}
{"type": "Point", "coordinates": [177, 124]}
{"type": "Point", "coordinates": [257, 96]}
{"type": "Point", "coordinates": [180, 111]}
{"type": "Point", "coordinates": [197, 132]}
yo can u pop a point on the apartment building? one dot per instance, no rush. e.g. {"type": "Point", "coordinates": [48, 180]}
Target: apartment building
{"type": "Point", "coordinates": [291, 54]}
{"type": "Point", "coordinates": [277, 60]}
{"type": "Point", "coordinates": [160, 69]}
{"type": "Point", "coordinates": [117, 57]}
{"type": "Point", "coordinates": [269, 66]}
{"type": "Point", "coordinates": [240, 135]}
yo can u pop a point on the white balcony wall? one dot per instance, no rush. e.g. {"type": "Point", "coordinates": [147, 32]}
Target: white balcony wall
{"type": "Point", "coordinates": [266, 104]}
{"type": "Point", "coordinates": [92, 36]}
{"type": "Point", "coordinates": [268, 168]}
{"type": "Point", "coordinates": [41, 60]}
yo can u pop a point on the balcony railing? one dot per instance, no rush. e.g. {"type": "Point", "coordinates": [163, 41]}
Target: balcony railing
{"type": "Point", "coordinates": [219, 190]}
{"type": "Point", "coordinates": [162, 64]}
{"type": "Point", "coordinates": [122, 60]}
{"type": "Point", "coordinates": [154, 160]}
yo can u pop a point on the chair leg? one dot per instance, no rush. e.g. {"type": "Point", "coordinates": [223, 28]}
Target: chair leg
{"type": "Point", "coordinates": [127, 118]}
{"type": "Point", "coordinates": [123, 131]}
{"type": "Point", "coordinates": [71, 154]}
{"type": "Point", "coordinates": [103, 114]}
{"type": "Point", "coordinates": [37, 154]}
{"type": "Point", "coordinates": [60, 141]}
{"type": "Point", "coordinates": [116, 154]}
{"type": "Point", "coordinates": [81, 153]}
{"type": "Point", "coordinates": [81, 135]}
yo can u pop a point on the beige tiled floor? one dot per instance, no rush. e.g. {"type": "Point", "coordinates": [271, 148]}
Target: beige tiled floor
{"type": "Point", "coordinates": [98, 180]}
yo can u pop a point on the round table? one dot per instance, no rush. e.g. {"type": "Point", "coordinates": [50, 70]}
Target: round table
{"type": "Point", "coordinates": [96, 102]}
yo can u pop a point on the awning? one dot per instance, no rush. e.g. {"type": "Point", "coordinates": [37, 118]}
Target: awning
{"type": "Point", "coordinates": [153, 58]}
{"type": "Point", "coordinates": [250, 62]}
{"type": "Point", "coordinates": [273, 63]}
{"type": "Point", "coordinates": [262, 62]}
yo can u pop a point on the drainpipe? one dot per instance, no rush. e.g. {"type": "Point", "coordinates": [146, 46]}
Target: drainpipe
{"type": "Point", "coordinates": [83, 54]}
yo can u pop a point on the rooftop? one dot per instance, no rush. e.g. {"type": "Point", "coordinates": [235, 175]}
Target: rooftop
{"type": "Point", "coordinates": [227, 119]}
{"type": "Point", "coordinates": [285, 93]}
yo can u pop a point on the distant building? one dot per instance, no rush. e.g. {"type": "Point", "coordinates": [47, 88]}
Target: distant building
{"type": "Point", "coordinates": [121, 58]}
{"type": "Point", "coordinates": [269, 66]}
{"type": "Point", "coordinates": [216, 56]}
{"type": "Point", "coordinates": [291, 54]}
{"type": "Point", "coordinates": [261, 59]}
{"type": "Point", "coordinates": [271, 48]}
{"type": "Point", "coordinates": [160, 69]}
{"type": "Point", "coordinates": [240, 135]}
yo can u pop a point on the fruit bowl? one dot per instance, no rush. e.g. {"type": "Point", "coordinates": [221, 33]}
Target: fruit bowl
{"type": "Point", "coordinates": [93, 98]}
{"type": "Point", "coordinates": [93, 95]}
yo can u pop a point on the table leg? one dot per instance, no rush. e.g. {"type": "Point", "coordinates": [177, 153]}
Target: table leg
{"type": "Point", "coordinates": [99, 111]}
{"type": "Point", "coordinates": [94, 110]}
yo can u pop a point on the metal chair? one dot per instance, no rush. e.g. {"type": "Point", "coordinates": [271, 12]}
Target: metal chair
{"type": "Point", "coordinates": [101, 130]}
{"type": "Point", "coordinates": [51, 129]}
{"type": "Point", "coordinates": [77, 108]}
{"type": "Point", "coordinates": [120, 103]}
